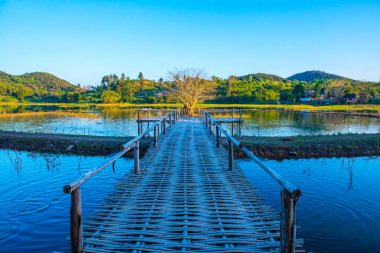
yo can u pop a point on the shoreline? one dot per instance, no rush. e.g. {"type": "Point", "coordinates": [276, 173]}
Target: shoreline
{"type": "Point", "coordinates": [368, 110]}
{"type": "Point", "coordinates": [312, 146]}
{"type": "Point", "coordinates": [278, 148]}
{"type": "Point", "coordinates": [67, 144]}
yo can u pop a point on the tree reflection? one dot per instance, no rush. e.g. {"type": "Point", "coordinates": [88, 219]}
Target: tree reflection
{"type": "Point", "coordinates": [350, 169]}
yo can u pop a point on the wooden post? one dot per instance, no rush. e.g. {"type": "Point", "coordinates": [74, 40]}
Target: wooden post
{"type": "Point", "coordinates": [76, 222]}
{"type": "Point", "coordinates": [138, 122]}
{"type": "Point", "coordinates": [170, 120]}
{"type": "Point", "coordinates": [240, 120]}
{"type": "Point", "coordinates": [137, 157]}
{"type": "Point", "coordinates": [210, 125]}
{"type": "Point", "coordinates": [288, 221]}
{"type": "Point", "coordinates": [164, 127]}
{"type": "Point", "coordinates": [155, 135]}
{"type": "Point", "coordinates": [206, 120]}
{"type": "Point", "coordinates": [217, 133]}
{"type": "Point", "coordinates": [232, 129]}
{"type": "Point", "coordinates": [175, 117]}
{"type": "Point", "coordinates": [230, 154]}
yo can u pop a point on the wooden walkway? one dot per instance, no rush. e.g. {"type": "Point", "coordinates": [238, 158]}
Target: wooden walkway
{"type": "Point", "coordinates": [184, 199]}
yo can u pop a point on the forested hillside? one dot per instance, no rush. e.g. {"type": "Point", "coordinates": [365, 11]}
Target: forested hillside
{"type": "Point", "coordinates": [251, 88]}
{"type": "Point", "coordinates": [314, 75]}
{"type": "Point", "coordinates": [36, 86]}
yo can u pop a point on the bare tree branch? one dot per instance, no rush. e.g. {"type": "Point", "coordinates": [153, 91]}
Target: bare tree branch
{"type": "Point", "coordinates": [191, 86]}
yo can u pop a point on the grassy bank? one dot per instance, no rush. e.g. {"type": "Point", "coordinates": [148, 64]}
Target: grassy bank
{"type": "Point", "coordinates": [67, 144]}
{"type": "Point", "coordinates": [296, 107]}
{"type": "Point", "coordinates": [54, 113]}
{"type": "Point", "coordinates": [268, 147]}
{"type": "Point", "coordinates": [347, 145]}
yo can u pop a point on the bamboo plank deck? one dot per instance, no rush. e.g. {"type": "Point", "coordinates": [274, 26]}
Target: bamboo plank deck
{"type": "Point", "coordinates": [184, 200]}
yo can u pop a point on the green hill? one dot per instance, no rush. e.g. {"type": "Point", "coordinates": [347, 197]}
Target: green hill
{"type": "Point", "coordinates": [34, 85]}
{"type": "Point", "coordinates": [313, 75]}
{"type": "Point", "coordinates": [259, 77]}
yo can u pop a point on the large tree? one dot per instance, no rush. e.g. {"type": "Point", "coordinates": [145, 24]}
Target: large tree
{"type": "Point", "coordinates": [110, 97]}
{"type": "Point", "coordinates": [190, 86]}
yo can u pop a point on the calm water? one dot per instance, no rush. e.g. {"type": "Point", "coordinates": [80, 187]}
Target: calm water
{"type": "Point", "coordinates": [285, 123]}
{"type": "Point", "coordinates": [35, 213]}
{"type": "Point", "coordinates": [339, 210]}
{"type": "Point", "coordinates": [114, 121]}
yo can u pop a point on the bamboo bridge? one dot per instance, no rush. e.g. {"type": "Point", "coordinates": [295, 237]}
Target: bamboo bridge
{"type": "Point", "coordinates": [187, 194]}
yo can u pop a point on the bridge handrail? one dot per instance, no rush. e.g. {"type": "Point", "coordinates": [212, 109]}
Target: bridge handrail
{"type": "Point", "coordinates": [289, 194]}
{"type": "Point", "coordinates": [126, 147]}
{"type": "Point", "coordinates": [282, 181]}
{"type": "Point", "coordinates": [76, 236]}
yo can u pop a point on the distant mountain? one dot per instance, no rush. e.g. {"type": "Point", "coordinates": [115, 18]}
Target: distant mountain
{"type": "Point", "coordinates": [36, 86]}
{"type": "Point", "coordinates": [37, 81]}
{"type": "Point", "coordinates": [260, 76]}
{"type": "Point", "coordinates": [310, 76]}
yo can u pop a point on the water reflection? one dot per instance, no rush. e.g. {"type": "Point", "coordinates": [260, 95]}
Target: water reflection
{"type": "Point", "coordinates": [117, 121]}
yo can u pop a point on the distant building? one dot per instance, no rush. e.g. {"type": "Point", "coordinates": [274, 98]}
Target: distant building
{"type": "Point", "coordinates": [305, 100]}
{"type": "Point", "coordinates": [350, 99]}
{"type": "Point", "coordinates": [161, 94]}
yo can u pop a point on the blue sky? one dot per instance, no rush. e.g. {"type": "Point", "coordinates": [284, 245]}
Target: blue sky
{"type": "Point", "coordinates": [81, 41]}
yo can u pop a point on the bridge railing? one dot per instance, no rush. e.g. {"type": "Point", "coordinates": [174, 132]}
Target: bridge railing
{"type": "Point", "coordinates": [76, 236]}
{"type": "Point", "coordinates": [289, 193]}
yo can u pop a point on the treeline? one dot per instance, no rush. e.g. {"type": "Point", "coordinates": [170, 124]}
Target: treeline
{"type": "Point", "coordinates": [114, 89]}
{"type": "Point", "coordinates": [253, 88]}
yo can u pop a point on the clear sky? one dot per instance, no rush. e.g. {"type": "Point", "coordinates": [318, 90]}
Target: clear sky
{"type": "Point", "coordinates": [81, 41]}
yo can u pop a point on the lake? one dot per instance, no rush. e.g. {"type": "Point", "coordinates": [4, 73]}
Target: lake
{"type": "Point", "coordinates": [339, 210]}
{"type": "Point", "coordinates": [35, 213]}
{"type": "Point", "coordinates": [115, 121]}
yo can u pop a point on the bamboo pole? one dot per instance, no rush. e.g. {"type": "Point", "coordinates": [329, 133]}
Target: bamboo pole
{"type": "Point", "coordinates": [137, 157]}
{"type": "Point", "coordinates": [155, 135]}
{"type": "Point", "coordinates": [230, 154]}
{"type": "Point", "coordinates": [288, 221]}
{"type": "Point", "coordinates": [240, 120]}
{"type": "Point", "coordinates": [217, 134]}
{"type": "Point", "coordinates": [138, 122]}
{"type": "Point", "coordinates": [76, 235]}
